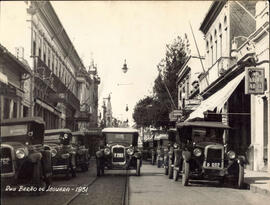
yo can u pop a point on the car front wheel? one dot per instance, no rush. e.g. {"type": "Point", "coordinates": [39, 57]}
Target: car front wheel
{"type": "Point", "coordinates": [240, 181]}
{"type": "Point", "coordinates": [185, 175]}
{"type": "Point", "coordinates": [175, 174]}
{"type": "Point", "coordinates": [170, 170]}
{"type": "Point", "coordinates": [138, 168]}
{"type": "Point", "coordinates": [98, 168]}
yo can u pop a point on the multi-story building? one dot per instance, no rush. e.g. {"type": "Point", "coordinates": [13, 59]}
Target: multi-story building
{"type": "Point", "coordinates": [88, 82]}
{"type": "Point", "coordinates": [52, 57]}
{"type": "Point", "coordinates": [222, 86]}
{"type": "Point", "coordinates": [260, 103]}
{"type": "Point", "coordinates": [14, 89]}
{"type": "Point", "coordinates": [188, 85]}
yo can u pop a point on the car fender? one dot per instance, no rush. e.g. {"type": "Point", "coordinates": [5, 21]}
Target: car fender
{"type": "Point", "coordinates": [47, 162]}
{"type": "Point", "coordinates": [35, 157]}
{"type": "Point", "coordinates": [99, 154]}
{"type": "Point", "coordinates": [138, 155]}
{"type": "Point", "coordinates": [241, 160]}
{"type": "Point", "coordinates": [186, 155]}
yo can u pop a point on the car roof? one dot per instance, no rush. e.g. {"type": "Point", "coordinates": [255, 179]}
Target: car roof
{"type": "Point", "coordinates": [78, 133]}
{"type": "Point", "coordinates": [119, 130]}
{"type": "Point", "coordinates": [22, 120]}
{"type": "Point", "coordinates": [210, 124]}
{"type": "Point", "coordinates": [162, 136]}
{"type": "Point", "coordinates": [51, 131]}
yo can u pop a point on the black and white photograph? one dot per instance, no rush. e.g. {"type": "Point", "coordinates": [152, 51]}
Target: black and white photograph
{"type": "Point", "coordinates": [134, 102]}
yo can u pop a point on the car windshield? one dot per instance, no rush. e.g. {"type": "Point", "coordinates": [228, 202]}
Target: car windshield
{"type": "Point", "coordinates": [207, 135]}
{"type": "Point", "coordinates": [119, 138]}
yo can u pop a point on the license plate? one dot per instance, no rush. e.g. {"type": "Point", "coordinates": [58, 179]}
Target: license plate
{"type": "Point", "coordinates": [213, 164]}
{"type": "Point", "coordinates": [118, 155]}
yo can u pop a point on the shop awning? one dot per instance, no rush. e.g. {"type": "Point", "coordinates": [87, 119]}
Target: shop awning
{"type": "Point", "coordinates": [203, 124]}
{"type": "Point", "coordinates": [217, 100]}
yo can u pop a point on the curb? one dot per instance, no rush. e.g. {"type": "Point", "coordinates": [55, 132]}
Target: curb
{"type": "Point", "coordinates": [256, 189]}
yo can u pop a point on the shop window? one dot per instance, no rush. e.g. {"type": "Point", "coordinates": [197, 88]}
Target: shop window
{"type": "Point", "coordinates": [44, 54]}
{"type": "Point", "coordinates": [25, 111]}
{"type": "Point", "coordinates": [216, 49]}
{"type": "Point", "coordinates": [220, 40]}
{"type": "Point", "coordinates": [49, 58]}
{"type": "Point", "coordinates": [14, 114]}
{"type": "Point", "coordinates": [53, 63]}
{"type": "Point", "coordinates": [6, 108]}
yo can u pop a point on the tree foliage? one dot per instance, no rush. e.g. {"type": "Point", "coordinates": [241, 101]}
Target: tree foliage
{"type": "Point", "coordinates": [161, 102]}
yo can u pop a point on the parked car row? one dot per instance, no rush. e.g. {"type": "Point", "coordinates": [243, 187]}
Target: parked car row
{"type": "Point", "coordinates": [199, 150]}
{"type": "Point", "coordinates": [32, 155]}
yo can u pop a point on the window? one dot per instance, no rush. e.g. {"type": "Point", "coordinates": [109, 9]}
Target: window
{"type": "Point", "coordinates": [220, 39]}
{"type": "Point", "coordinates": [211, 50]}
{"type": "Point", "coordinates": [207, 53]}
{"type": "Point", "coordinates": [14, 114]}
{"type": "Point", "coordinates": [225, 35]}
{"type": "Point", "coordinates": [34, 44]}
{"type": "Point", "coordinates": [215, 49]}
{"type": "Point", "coordinates": [6, 108]}
{"type": "Point", "coordinates": [53, 63]}
{"type": "Point", "coordinates": [44, 53]}
{"type": "Point", "coordinates": [39, 48]}
{"type": "Point", "coordinates": [49, 58]}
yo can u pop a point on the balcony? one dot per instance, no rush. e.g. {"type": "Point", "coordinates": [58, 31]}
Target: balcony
{"type": "Point", "coordinates": [82, 116]}
{"type": "Point", "coordinates": [67, 98]}
{"type": "Point", "coordinates": [214, 72]}
{"type": "Point", "coordinates": [43, 74]}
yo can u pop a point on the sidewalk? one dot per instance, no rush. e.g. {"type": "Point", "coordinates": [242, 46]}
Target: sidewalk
{"type": "Point", "coordinates": [259, 182]}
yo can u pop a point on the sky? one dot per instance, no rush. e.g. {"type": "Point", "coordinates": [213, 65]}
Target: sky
{"type": "Point", "coordinates": [111, 31]}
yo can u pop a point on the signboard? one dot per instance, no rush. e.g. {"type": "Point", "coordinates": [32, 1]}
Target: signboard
{"type": "Point", "coordinates": [254, 80]}
{"type": "Point", "coordinates": [192, 101]}
{"type": "Point", "coordinates": [174, 114]}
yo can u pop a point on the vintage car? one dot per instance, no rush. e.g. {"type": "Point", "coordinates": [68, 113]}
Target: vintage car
{"type": "Point", "coordinates": [206, 154]}
{"type": "Point", "coordinates": [79, 142]}
{"type": "Point", "coordinates": [63, 153]}
{"type": "Point", "coordinates": [162, 147]}
{"type": "Point", "coordinates": [120, 150]}
{"type": "Point", "coordinates": [169, 153]}
{"type": "Point", "coordinates": [153, 146]}
{"type": "Point", "coordinates": [24, 159]}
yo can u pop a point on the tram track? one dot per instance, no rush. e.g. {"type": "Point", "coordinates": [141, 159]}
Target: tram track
{"type": "Point", "coordinates": [95, 181]}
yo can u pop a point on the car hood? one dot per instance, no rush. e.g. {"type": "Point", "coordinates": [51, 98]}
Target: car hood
{"type": "Point", "coordinates": [14, 144]}
{"type": "Point", "coordinates": [204, 144]}
{"type": "Point", "coordinates": [122, 144]}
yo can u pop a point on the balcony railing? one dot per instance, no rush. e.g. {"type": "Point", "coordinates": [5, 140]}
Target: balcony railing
{"type": "Point", "coordinates": [61, 93]}
{"type": "Point", "coordinates": [214, 72]}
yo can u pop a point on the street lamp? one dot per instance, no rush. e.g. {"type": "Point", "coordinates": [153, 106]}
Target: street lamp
{"type": "Point", "coordinates": [125, 68]}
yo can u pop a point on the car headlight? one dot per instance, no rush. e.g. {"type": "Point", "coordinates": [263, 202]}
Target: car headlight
{"type": "Point", "coordinates": [54, 152]}
{"type": "Point", "coordinates": [107, 151]}
{"type": "Point", "coordinates": [20, 153]}
{"type": "Point", "coordinates": [197, 152]}
{"type": "Point", "coordinates": [65, 156]}
{"type": "Point", "coordinates": [130, 151]}
{"type": "Point", "coordinates": [231, 155]}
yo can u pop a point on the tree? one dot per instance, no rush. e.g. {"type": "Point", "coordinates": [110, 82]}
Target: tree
{"type": "Point", "coordinates": [168, 67]}
{"type": "Point", "coordinates": [155, 110]}
{"type": "Point", "coordinates": [143, 112]}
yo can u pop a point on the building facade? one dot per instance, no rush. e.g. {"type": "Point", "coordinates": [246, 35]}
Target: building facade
{"type": "Point", "coordinates": [188, 86]}
{"type": "Point", "coordinates": [14, 89]}
{"type": "Point", "coordinates": [88, 82]}
{"type": "Point", "coordinates": [227, 27]}
{"type": "Point", "coordinates": [56, 66]}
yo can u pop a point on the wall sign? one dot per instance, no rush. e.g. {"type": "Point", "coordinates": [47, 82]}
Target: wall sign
{"type": "Point", "coordinates": [254, 80]}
